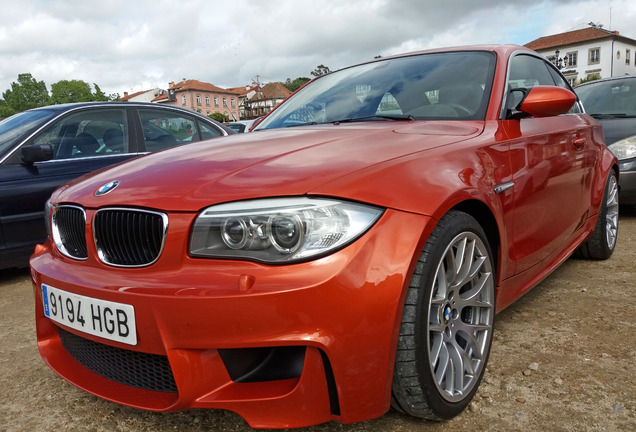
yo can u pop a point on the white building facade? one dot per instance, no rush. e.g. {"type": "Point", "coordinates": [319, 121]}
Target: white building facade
{"type": "Point", "coordinates": [581, 54]}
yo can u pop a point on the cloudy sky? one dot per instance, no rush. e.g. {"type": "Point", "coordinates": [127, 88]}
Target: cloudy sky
{"type": "Point", "coordinates": [127, 46]}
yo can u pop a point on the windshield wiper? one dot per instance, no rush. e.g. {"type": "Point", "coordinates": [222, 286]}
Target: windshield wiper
{"type": "Point", "coordinates": [302, 124]}
{"type": "Point", "coordinates": [389, 117]}
{"type": "Point", "coordinates": [609, 116]}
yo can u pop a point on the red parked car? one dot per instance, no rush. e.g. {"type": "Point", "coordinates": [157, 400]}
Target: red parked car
{"type": "Point", "coordinates": [347, 256]}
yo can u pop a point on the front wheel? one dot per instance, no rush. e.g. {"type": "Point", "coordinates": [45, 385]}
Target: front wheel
{"type": "Point", "coordinates": [447, 323]}
{"type": "Point", "coordinates": [603, 241]}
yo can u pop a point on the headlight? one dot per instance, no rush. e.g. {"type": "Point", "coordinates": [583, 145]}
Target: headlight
{"type": "Point", "coordinates": [279, 229]}
{"type": "Point", "coordinates": [47, 216]}
{"type": "Point", "coordinates": [625, 148]}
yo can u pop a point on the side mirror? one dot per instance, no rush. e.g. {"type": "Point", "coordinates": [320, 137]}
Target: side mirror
{"type": "Point", "coordinates": [36, 153]}
{"type": "Point", "coordinates": [547, 101]}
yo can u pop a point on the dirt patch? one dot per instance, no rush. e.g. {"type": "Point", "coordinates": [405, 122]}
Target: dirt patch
{"type": "Point", "coordinates": [562, 360]}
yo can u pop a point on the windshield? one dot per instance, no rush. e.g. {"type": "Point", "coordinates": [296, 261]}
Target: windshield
{"type": "Point", "coordinates": [16, 127]}
{"type": "Point", "coordinates": [439, 86]}
{"type": "Point", "coordinates": [614, 98]}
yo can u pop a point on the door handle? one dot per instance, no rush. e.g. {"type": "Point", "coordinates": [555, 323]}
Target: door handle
{"type": "Point", "coordinates": [579, 143]}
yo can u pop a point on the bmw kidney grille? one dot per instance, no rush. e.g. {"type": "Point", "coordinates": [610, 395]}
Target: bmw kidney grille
{"type": "Point", "coordinates": [123, 237]}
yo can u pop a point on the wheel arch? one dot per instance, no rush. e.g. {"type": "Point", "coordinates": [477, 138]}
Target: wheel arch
{"type": "Point", "coordinates": [485, 217]}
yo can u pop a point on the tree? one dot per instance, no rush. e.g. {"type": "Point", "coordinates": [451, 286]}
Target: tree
{"type": "Point", "coordinates": [591, 77]}
{"type": "Point", "coordinates": [66, 91]}
{"type": "Point", "coordinates": [27, 93]}
{"type": "Point", "coordinates": [5, 110]}
{"type": "Point", "coordinates": [320, 70]}
{"type": "Point", "coordinates": [99, 94]}
{"type": "Point", "coordinates": [294, 85]}
{"type": "Point", "coordinates": [220, 117]}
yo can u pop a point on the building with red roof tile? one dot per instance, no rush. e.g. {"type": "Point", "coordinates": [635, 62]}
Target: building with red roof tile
{"type": "Point", "coordinates": [580, 54]}
{"type": "Point", "coordinates": [143, 96]}
{"type": "Point", "coordinates": [264, 100]}
{"type": "Point", "coordinates": [202, 97]}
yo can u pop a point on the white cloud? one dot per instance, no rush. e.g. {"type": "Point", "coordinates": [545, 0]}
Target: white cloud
{"type": "Point", "coordinates": [129, 46]}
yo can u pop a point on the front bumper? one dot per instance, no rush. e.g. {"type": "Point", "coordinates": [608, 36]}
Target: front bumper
{"type": "Point", "coordinates": [328, 327]}
{"type": "Point", "coordinates": [627, 183]}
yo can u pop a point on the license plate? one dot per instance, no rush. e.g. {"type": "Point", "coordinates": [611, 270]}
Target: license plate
{"type": "Point", "coordinates": [106, 319]}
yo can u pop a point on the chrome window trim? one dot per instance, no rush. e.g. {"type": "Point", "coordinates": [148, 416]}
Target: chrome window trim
{"type": "Point", "coordinates": [50, 161]}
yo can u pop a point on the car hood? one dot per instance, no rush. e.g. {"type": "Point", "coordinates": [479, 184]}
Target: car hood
{"type": "Point", "coordinates": [281, 162]}
{"type": "Point", "coordinates": [615, 129]}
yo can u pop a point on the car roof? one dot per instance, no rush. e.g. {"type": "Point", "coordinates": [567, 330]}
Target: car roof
{"type": "Point", "coordinates": [499, 49]}
{"type": "Point", "coordinates": [602, 80]}
{"type": "Point", "coordinates": [79, 105]}
{"type": "Point", "coordinates": [67, 106]}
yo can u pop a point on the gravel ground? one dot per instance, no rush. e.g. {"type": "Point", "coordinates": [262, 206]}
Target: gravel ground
{"type": "Point", "coordinates": [562, 360]}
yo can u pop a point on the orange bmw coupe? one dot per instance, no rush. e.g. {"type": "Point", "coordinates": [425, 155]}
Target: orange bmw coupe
{"type": "Point", "coordinates": [348, 255]}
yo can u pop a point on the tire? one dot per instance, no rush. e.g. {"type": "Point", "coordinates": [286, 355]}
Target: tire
{"type": "Point", "coordinates": [601, 244]}
{"type": "Point", "coordinates": [447, 323]}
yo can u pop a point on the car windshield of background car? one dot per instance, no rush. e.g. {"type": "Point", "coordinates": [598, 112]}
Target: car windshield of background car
{"type": "Point", "coordinates": [610, 98]}
{"type": "Point", "coordinates": [440, 86]}
{"type": "Point", "coordinates": [14, 127]}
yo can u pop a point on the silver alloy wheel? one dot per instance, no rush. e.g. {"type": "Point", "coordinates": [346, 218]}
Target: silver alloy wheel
{"type": "Point", "coordinates": [611, 218]}
{"type": "Point", "coordinates": [461, 316]}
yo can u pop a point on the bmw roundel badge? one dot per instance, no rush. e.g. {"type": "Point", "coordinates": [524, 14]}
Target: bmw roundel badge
{"type": "Point", "coordinates": [108, 187]}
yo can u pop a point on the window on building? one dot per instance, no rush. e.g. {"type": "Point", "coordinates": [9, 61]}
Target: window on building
{"type": "Point", "coordinates": [594, 56]}
{"type": "Point", "coordinates": [207, 100]}
{"type": "Point", "coordinates": [183, 100]}
{"type": "Point", "coordinates": [198, 99]}
{"type": "Point", "coordinates": [627, 57]}
{"type": "Point", "coordinates": [216, 101]}
{"type": "Point", "coordinates": [233, 103]}
{"type": "Point", "coordinates": [224, 102]}
{"type": "Point", "coordinates": [572, 58]}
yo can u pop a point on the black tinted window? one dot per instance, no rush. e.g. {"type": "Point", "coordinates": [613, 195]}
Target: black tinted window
{"type": "Point", "coordinates": [88, 133]}
{"type": "Point", "coordinates": [165, 128]}
{"type": "Point", "coordinates": [615, 97]}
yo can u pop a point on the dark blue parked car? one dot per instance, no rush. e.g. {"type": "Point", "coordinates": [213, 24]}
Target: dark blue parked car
{"type": "Point", "coordinates": [43, 148]}
{"type": "Point", "coordinates": [612, 101]}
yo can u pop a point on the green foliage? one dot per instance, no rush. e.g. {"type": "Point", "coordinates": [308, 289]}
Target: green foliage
{"type": "Point", "coordinates": [99, 94]}
{"type": "Point", "coordinates": [590, 77]}
{"type": "Point", "coordinates": [219, 117]}
{"type": "Point", "coordinates": [5, 110]}
{"type": "Point", "coordinates": [66, 91]}
{"type": "Point", "coordinates": [27, 93]}
{"type": "Point", "coordinates": [294, 85]}
{"type": "Point", "coordinates": [320, 70]}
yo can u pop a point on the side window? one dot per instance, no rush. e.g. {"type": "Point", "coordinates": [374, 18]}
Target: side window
{"type": "Point", "coordinates": [90, 133]}
{"type": "Point", "coordinates": [208, 132]}
{"type": "Point", "coordinates": [525, 72]}
{"type": "Point", "coordinates": [164, 129]}
{"type": "Point", "coordinates": [561, 82]}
